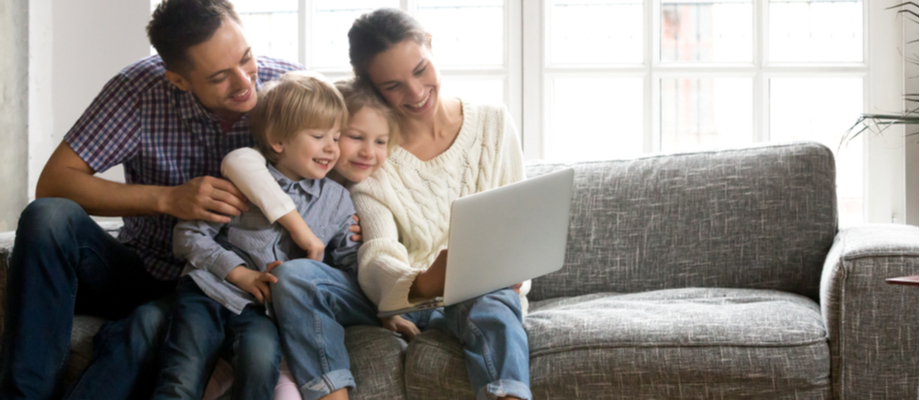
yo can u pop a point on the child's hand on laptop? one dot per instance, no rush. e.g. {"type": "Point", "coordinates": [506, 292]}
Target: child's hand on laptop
{"type": "Point", "coordinates": [517, 288]}
{"type": "Point", "coordinates": [400, 325]}
{"type": "Point", "coordinates": [254, 282]}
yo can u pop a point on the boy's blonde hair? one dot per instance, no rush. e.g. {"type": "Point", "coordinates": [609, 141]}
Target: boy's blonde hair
{"type": "Point", "coordinates": [298, 100]}
{"type": "Point", "coordinates": [359, 95]}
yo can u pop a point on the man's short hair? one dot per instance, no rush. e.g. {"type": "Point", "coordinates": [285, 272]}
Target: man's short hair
{"type": "Point", "coordinates": [298, 100]}
{"type": "Point", "coordinates": [177, 25]}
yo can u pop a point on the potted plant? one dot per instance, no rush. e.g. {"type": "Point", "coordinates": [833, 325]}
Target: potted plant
{"type": "Point", "coordinates": [879, 122]}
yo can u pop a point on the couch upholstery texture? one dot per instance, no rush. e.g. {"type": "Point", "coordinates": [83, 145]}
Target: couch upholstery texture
{"type": "Point", "coordinates": [704, 275]}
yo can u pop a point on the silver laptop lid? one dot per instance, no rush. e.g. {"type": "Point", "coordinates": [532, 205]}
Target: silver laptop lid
{"type": "Point", "coordinates": [507, 235]}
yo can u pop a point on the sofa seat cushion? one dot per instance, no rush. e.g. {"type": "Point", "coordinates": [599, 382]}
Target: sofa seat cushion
{"type": "Point", "coordinates": [677, 343]}
{"type": "Point", "coordinates": [376, 356]}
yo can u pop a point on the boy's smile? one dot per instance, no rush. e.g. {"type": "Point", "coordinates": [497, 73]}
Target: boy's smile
{"type": "Point", "coordinates": [308, 155]}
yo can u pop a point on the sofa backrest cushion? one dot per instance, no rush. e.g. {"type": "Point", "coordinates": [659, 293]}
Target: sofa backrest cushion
{"type": "Point", "coordinates": [760, 217]}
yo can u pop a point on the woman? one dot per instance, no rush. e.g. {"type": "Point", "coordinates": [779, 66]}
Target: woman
{"type": "Point", "coordinates": [448, 149]}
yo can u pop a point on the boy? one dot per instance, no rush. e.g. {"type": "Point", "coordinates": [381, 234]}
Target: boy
{"type": "Point", "coordinates": [221, 301]}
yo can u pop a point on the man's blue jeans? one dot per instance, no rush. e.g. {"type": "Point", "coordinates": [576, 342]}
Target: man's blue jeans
{"type": "Point", "coordinates": [314, 302]}
{"type": "Point", "coordinates": [200, 330]}
{"type": "Point", "coordinates": [64, 263]}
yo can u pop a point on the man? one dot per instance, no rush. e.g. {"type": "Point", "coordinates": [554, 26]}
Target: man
{"type": "Point", "coordinates": [169, 119]}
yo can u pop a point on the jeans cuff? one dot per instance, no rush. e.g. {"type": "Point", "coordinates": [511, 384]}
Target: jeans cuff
{"type": "Point", "coordinates": [328, 383]}
{"type": "Point", "coordinates": [504, 387]}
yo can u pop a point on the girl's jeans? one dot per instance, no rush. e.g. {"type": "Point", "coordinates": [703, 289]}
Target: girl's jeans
{"type": "Point", "coordinates": [314, 302]}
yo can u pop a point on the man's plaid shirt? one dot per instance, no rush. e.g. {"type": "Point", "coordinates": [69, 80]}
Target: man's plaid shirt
{"type": "Point", "coordinates": [164, 137]}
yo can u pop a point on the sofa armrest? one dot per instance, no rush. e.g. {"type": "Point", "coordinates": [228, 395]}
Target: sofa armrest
{"type": "Point", "coordinates": [872, 325]}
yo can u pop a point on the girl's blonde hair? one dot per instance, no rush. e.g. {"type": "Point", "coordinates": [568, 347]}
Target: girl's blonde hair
{"type": "Point", "coordinates": [358, 95]}
{"type": "Point", "coordinates": [298, 100]}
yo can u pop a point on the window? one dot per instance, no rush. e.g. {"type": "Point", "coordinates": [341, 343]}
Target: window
{"type": "Point", "coordinates": [600, 79]}
{"type": "Point", "coordinates": [622, 78]}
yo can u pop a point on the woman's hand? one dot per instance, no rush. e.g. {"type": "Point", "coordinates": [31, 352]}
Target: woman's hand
{"type": "Point", "coordinates": [430, 284]}
{"type": "Point", "coordinates": [400, 325]}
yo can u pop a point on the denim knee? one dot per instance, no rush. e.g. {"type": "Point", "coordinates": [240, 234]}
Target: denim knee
{"type": "Point", "coordinates": [144, 328]}
{"type": "Point", "coordinates": [493, 308]}
{"type": "Point", "coordinates": [293, 274]}
{"type": "Point", "coordinates": [43, 218]}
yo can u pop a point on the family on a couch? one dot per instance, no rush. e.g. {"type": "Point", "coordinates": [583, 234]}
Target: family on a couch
{"type": "Point", "coordinates": [267, 268]}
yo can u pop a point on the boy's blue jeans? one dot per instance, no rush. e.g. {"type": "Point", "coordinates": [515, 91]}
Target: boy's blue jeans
{"type": "Point", "coordinates": [200, 329]}
{"type": "Point", "coordinates": [314, 302]}
{"type": "Point", "coordinates": [64, 263]}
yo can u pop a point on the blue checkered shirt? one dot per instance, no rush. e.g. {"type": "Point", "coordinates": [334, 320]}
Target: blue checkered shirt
{"type": "Point", "coordinates": [164, 137]}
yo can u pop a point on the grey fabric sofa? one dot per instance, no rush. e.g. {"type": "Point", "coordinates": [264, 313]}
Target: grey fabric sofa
{"type": "Point", "coordinates": [707, 275]}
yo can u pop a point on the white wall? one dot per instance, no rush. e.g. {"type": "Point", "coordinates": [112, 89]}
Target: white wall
{"type": "Point", "coordinates": [14, 68]}
{"type": "Point", "coordinates": [75, 47]}
{"type": "Point", "coordinates": [885, 153]}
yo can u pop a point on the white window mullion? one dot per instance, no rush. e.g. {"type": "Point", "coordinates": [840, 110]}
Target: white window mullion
{"type": "Point", "coordinates": [409, 6]}
{"type": "Point", "coordinates": [533, 102]}
{"type": "Point", "coordinates": [304, 19]}
{"type": "Point", "coordinates": [513, 62]}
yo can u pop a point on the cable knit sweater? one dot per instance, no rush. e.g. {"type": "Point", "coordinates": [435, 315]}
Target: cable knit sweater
{"type": "Point", "coordinates": [405, 206]}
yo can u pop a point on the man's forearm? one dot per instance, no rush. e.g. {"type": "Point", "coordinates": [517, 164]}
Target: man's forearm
{"type": "Point", "coordinates": [100, 196]}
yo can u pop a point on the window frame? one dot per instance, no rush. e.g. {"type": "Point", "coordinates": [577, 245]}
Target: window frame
{"type": "Point", "coordinates": [538, 75]}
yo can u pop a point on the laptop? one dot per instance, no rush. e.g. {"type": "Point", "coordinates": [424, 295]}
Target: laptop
{"type": "Point", "coordinates": [504, 236]}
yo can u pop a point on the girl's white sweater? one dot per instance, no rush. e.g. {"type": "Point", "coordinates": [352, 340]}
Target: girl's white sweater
{"type": "Point", "coordinates": [405, 206]}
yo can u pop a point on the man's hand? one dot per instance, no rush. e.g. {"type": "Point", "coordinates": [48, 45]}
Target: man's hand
{"type": "Point", "coordinates": [356, 229]}
{"type": "Point", "coordinates": [400, 325]}
{"type": "Point", "coordinates": [205, 197]}
{"type": "Point", "coordinates": [430, 284]}
{"type": "Point", "coordinates": [254, 282]}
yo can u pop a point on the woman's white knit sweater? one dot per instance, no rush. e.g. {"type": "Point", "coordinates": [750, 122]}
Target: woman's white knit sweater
{"type": "Point", "coordinates": [405, 206]}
